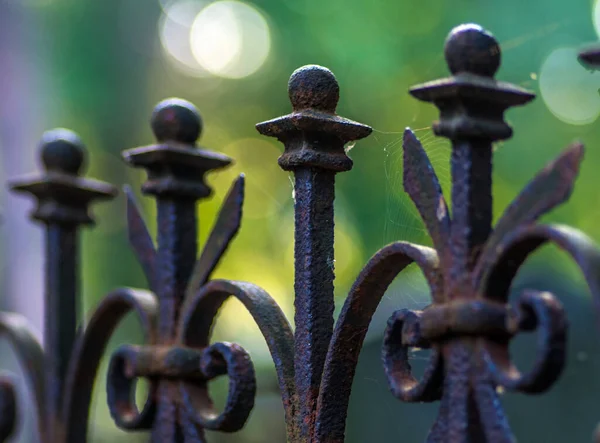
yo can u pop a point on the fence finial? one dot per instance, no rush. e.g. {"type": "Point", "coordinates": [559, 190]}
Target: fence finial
{"type": "Point", "coordinates": [472, 102]}
{"type": "Point", "coordinates": [176, 120]}
{"type": "Point", "coordinates": [313, 134]}
{"type": "Point", "coordinates": [63, 196]}
{"type": "Point", "coordinates": [314, 87]}
{"type": "Point", "coordinates": [176, 166]}
{"type": "Point", "coordinates": [62, 151]}
{"type": "Point", "coordinates": [471, 49]}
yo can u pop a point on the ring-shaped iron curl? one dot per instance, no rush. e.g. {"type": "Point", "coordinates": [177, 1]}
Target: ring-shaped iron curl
{"type": "Point", "coordinates": [198, 315]}
{"type": "Point", "coordinates": [88, 351]}
{"type": "Point", "coordinates": [545, 313]}
{"type": "Point", "coordinates": [242, 390]}
{"type": "Point", "coordinates": [120, 390]}
{"type": "Point", "coordinates": [401, 334]}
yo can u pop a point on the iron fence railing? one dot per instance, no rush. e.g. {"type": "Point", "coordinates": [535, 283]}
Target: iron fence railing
{"type": "Point", "coordinates": [468, 326]}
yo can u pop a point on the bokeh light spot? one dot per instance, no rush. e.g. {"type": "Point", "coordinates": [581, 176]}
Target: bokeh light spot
{"type": "Point", "coordinates": [175, 26]}
{"type": "Point", "coordinates": [230, 39]}
{"type": "Point", "coordinates": [596, 17]}
{"type": "Point", "coordinates": [568, 89]}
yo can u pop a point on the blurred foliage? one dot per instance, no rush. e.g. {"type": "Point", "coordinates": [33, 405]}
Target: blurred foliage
{"type": "Point", "coordinates": [103, 68]}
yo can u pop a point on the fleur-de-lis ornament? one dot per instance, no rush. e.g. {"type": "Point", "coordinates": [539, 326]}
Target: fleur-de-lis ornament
{"type": "Point", "coordinates": [471, 266]}
{"type": "Point", "coordinates": [176, 315]}
{"type": "Point", "coordinates": [179, 359]}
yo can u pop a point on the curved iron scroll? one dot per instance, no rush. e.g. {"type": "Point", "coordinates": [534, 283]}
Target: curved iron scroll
{"type": "Point", "coordinates": [17, 330]}
{"type": "Point", "coordinates": [195, 327]}
{"type": "Point", "coordinates": [87, 355]}
{"type": "Point", "coordinates": [352, 325]}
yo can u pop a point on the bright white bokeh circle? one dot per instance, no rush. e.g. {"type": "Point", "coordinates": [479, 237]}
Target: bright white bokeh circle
{"type": "Point", "coordinates": [175, 26]}
{"type": "Point", "coordinates": [230, 39]}
{"type": "Point", "coordinates": [596, 17]}
{"type": "Point", "coordinates": [569, 90]}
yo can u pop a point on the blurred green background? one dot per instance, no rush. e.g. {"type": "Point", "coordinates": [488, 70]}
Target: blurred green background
{"type": "Point", "coordinates": [98, 68]}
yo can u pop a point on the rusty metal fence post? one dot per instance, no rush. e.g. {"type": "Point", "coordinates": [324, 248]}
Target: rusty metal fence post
{"type": "Point", "coordinates": [63, 198]}
{"type": "Point", "coordinates": [469, 324]}
{"type": "Point", "coordinates": [470, 267]}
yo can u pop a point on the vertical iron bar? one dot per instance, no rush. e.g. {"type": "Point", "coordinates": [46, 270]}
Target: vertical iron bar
{"type": "Point", "coordinates": [63, 198]}
{"type": "Point", "coordinates": [176, 178]}
{"type": "Point", "coordinates": [314, 137]}
{"type": "Point", "coordinates": [472, 106]}
{"type": "Point", "coordinates": [314, 275]}
{"type": "Point", "coordinates": [177, 248]}
{"type": "Point", "coordinates": [471, 165]}
{"type": "Point", "coordinates": [61, 312]}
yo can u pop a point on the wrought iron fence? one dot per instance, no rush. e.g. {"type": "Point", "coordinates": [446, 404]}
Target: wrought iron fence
{"type": "Point", "coordinates": [468, 326]}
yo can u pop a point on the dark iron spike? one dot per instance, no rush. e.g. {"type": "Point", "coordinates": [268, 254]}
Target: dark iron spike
{"type": "Point", "coordinates": [140, 240]}
{"type": "Point", "coordinates": [63, 198]}
{"type": "Point", "coordinates": [223, 232]}
{"type": "Point", "coordinates": [590, 58]}
{"type": "Point", "coordinates": [176, 170]}
{"type": "Point", "coordinates": [314, 138]}
{"type": "Point", "coordinates": [422, 185]}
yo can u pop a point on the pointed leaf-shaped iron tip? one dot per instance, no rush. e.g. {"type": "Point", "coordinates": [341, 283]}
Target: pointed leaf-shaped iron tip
{"type": "Point", "coordinates": [225, 229]}
{"type": "Point", "coordinates": [140, 239]}
{"type": "Point", "coordinates": [423, 187]}
{"type": "Point", "coordinates": [551, 187]}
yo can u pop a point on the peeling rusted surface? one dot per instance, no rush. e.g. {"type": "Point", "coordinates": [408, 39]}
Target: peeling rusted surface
{"type": "Point", "coordinates": [464, 317]}
{"type": "Point", "coordinates": [313, 134]}
{"type": "Point", "coordinates": [467, 327]}
{"type": "Point", "coordinates": [423, 187]}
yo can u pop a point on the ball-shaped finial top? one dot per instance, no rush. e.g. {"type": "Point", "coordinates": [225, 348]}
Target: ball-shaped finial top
{"type": "Point", "coordinates": [314, 87]}
{"type": "Point", "coordinates": [176, 120]}
{"type": "Point", "coordinates": [471, 49]}
{"type": "Point", "coordinates": [62, 151]}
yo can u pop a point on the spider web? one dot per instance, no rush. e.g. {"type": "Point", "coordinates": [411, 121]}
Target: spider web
{"type": "Point", "coordinates": [402, 222]}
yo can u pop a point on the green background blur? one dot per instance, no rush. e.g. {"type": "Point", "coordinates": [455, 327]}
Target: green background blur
{"type": "Point", "coordinates": [99, 66]}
